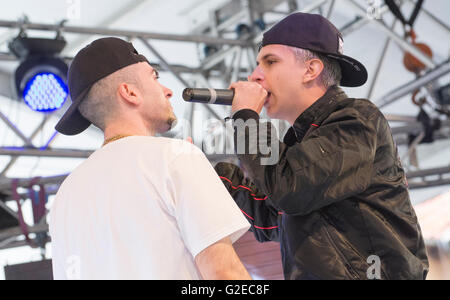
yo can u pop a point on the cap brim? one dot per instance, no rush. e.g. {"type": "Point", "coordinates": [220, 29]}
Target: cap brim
{"type": "Point", "coordinates": [72, 122]}
{"type": "Point", "coordinates": [354, 73]}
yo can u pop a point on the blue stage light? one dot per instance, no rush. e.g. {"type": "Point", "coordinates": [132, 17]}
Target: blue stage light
{"type": "Point", "coordinates": [41, 77]}
{"type": "Point", "coordinates": [45, 92]}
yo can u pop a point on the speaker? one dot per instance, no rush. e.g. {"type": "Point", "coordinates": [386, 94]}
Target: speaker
{"type": "Point", "coordinates": [40, 270]}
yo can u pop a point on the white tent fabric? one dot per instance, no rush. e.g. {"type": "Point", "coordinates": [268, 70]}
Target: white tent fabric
{"type": "Point", "coordinates": [184, 17]}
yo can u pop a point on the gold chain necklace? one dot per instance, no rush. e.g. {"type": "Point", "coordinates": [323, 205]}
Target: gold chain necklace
{"type": "Point", "coordinates": [115, 138]}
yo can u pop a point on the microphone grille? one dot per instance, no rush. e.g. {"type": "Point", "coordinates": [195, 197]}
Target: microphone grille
{"type": "Point", "coordinates": [187, 94]}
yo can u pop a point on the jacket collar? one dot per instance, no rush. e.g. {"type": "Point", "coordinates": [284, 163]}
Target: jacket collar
{"type": "Point", "coordinates": [314, 115]}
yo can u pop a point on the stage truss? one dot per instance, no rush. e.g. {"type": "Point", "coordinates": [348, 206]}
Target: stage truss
{"type": "Point", "coordinates": [225, 64]}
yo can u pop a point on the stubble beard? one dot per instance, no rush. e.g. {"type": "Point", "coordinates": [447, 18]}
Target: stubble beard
{"type": "Point", "coordinates": [169, 124]}
{"type": "Point", "coordinates": [172, 121]}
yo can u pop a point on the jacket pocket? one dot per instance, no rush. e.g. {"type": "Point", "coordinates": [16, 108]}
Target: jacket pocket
{"type": "Point", "coordinates": [349, 255]}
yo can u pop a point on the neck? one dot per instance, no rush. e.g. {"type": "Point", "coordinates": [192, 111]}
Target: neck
{"type": "Point", "coordinates": [308, 97]}
{"type": "Point", "coordinates": [127, 128]}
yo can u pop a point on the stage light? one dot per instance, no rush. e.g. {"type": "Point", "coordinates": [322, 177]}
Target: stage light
{"type": "Point", "coordinates": [40, 79]}
{"type": "Point", "coordinates": [444, 95]}
{"type": "Point", "coordinates": [261, 24]}
{"type": "Point", "coordinates": [243, 30]}
{"type": "Point", "coordinates": [45, 92]}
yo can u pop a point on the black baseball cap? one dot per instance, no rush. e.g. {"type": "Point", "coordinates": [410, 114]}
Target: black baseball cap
{"type": "Point", "coordinates": [98, 60]}
{"type": "Point", "coordinates": [315, 33]}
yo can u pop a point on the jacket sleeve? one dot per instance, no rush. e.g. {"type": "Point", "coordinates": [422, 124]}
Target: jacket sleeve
{"type": "Point", "coordinates": [253, 204]}
{"type": "Point", "coordinates": [332, 163]}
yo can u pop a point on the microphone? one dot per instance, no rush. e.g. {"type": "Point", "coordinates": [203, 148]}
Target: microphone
{"type": "Point", "coordinates": [209, 96]}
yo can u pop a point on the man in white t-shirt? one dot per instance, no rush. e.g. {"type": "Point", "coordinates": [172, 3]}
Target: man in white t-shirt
{"type": "Point", "coordinates": [141, 207]}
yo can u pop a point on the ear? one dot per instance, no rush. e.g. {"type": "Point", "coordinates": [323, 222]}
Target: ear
{"type": "Point", "coordinates": [129, 94]}
{"type": "Point", "coordinates": [314, 68]}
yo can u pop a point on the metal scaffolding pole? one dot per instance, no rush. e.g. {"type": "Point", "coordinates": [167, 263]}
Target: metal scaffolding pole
{"type": "Point", "coordinates": [414, 128]}
{"type": "Point", "coordinates": [400, 118]}
{"type": "Point", "coordinates": [209, 67]}
{"type": "Point", "coordinates": [9, 57]}
{"type": "Point", "coordinates": [33, 135]}
{"type": "Point", "coordinates": [125, 33]}
{"type": "Point", "coordinates": [114, 18]}
{"type": "Point", "coordinates": [218, 57]}
{"type": "Point", "coordinates": [380, 64]}
{"type": "Point", "coordinates": [434, 18]}
{"type": "Point", "coordinates": [414, 85]}
{"type": "Point", "coordinates": [17, 231]}
{"type": "Point", "coordinates": [330, 9]}
{"type": "Point", "coordinates": [429, 172]}
{"type": "Point", "coordinates": [307, 9]}
{"type": "Point", "coordinates": [16, 130]}
{"type": "Point", "coordinates": [395, 37]}
{"type": "Point", "coordinates": [5, 183]}
{"type": "Point", "coordinates": [437, 173]}
{"type": "Point", "coordinates": [428, 184]}
{"type": "Point", "coordinates": [62, 153]}
{"type": "Point", "coordinates": [166, 66]}
{"type": "Point", "coordinates": [359, 21]}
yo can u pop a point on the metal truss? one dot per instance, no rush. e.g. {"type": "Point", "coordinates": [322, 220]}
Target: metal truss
{"type": "Point", "coordinates": [231, 56]}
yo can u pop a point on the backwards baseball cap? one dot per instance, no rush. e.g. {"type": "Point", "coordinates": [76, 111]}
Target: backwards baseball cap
{"type": "Point", "coordinates": [98, 60]}
{"type": "Point", "coordinates": [315, 33]}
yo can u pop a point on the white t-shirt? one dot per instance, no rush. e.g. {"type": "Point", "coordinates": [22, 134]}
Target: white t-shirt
{"type": "Point", "coordinates": [140, 208]}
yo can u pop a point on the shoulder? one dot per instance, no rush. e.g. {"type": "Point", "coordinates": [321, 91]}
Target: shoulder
{"type": "Point", "coordinates": [177, 151]}
{"type": "Point", "coordinates": [359, 108]}
{"type": "Point", "coordinates": [352, 113]}
{"type": "Point", "coordinates": [164, 142]}
{"type": "Point", "coordinates": [177, 147]}
{"type": "Point", "coordinates": [167, 149]}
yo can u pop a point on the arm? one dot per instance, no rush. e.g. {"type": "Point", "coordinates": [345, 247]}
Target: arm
{"type": "Point", "coordinates": [205, 213]}
{"type": "Point", "coordinates": [220, 262]}
{"type": "Point", "coordinates": [334, 162]}
{"type": "Point", "coordinates": [253, 204]}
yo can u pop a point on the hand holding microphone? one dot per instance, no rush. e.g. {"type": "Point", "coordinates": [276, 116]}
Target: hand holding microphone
{"type": "Point", "coordinates": [249, 95]}
{"type": "Point", "coordinates": [241, 95]}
